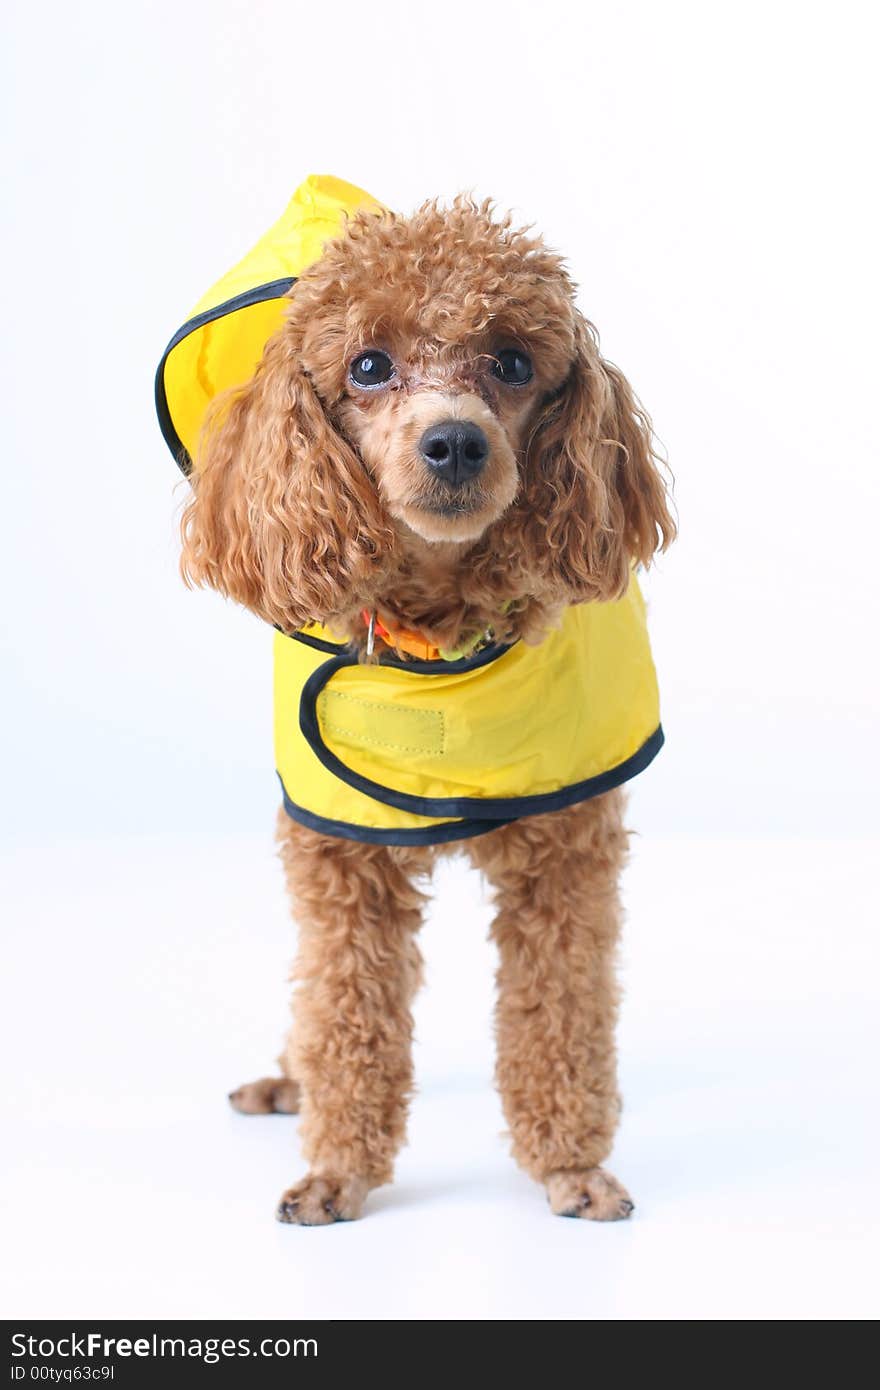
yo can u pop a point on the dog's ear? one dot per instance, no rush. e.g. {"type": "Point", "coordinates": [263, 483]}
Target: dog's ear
{"type": "Point", "coordinates": [593, 484]}
{"type": "Point", "coordinates": [283, 518]}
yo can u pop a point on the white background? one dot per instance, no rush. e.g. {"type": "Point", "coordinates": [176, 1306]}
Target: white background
{"type": "Point", "coordinates": [709, 171]}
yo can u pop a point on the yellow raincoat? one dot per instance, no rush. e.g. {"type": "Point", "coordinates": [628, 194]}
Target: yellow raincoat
{"type": "Point", "coordinates": [412, 751]}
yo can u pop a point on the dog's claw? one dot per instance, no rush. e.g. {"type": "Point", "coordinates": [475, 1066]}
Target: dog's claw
{"type": "Point", "coordinates": [591, 1195]}
{"type": "Point", "coordinates": [271, 1095]}
{"type": "Point", "coordinates": [322, 1201]}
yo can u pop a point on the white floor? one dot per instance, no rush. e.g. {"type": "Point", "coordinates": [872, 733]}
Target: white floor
{"type": "Point", "coordinates": [147, 978]}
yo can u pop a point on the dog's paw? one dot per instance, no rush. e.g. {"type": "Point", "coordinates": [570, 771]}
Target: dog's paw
{"type": "Point", "coordinates": [271, 1095]}
{"type": "Point", "coordinates": [320, 1200]}
{"type": "Point", "coordinates": [590, 1194]}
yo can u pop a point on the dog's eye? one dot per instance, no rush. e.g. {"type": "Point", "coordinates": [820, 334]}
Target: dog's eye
{"type": "Point", "coordinates": [512, 367]}
{"type": "Point", "coordinates": [371, 369]}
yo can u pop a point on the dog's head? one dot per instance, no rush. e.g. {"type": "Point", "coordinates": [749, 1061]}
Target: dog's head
{"type": "Point", "coordinates": [433, 380]}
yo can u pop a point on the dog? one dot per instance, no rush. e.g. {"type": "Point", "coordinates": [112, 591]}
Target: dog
{"type": "Point", "coordinates": [433, 446]}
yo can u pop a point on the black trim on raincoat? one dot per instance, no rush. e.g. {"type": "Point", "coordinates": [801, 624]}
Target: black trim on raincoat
{"type": "Point", "coordinates": [274, 289]}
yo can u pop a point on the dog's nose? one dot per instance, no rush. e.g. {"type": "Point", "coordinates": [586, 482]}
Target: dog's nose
{"type": "Point", "coordinates": [455, 450]}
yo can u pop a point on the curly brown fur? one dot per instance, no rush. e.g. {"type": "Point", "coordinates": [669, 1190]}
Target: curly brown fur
{"type": "Point", "coordinates": [312, 500]}
{"type": "Point", "coordinates": [555, 887]}
{"type": "Point", "coordinates": [358, 968]}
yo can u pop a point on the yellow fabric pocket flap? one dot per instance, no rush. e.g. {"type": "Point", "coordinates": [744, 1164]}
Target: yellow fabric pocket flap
{"type": "Point", "coordinates": [358, 723]}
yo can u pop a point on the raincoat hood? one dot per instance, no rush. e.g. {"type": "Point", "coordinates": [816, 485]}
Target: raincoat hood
{"type": "Point", "coordinates": [222, 339]}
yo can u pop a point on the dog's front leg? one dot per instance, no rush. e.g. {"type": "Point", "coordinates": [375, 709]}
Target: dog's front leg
{"type": "Point", "coordinates": [556, 888]}
{"type": "Point", "coordinates": [357, 971]}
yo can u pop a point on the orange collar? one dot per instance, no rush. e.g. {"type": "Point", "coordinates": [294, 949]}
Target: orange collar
{"type": "Point", "coordinates": [400, 639]}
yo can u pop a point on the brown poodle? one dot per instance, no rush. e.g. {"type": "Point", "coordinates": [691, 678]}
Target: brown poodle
{"type": "Point", "coordinates": [433, 435]}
